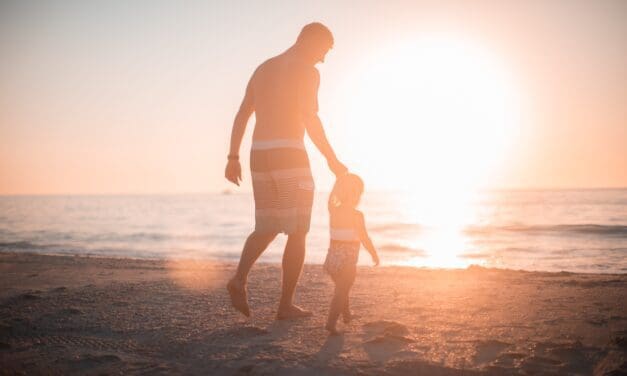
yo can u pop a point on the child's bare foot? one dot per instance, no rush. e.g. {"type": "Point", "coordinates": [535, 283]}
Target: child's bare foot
{"type": "Point", "coordinates": [333, 330]}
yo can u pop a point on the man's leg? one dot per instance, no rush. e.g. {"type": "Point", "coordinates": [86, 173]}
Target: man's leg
{"type": "Point", "coordinates": [293, 259]}
{"type": "Point", "coordinates": [256, 243]}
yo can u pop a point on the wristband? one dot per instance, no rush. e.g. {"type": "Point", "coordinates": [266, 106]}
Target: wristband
{"type": "Point", "coordinates": [232, 157]}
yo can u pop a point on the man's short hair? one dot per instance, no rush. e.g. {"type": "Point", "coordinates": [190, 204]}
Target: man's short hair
{"type": "Point", "coordinates": [315, 32]}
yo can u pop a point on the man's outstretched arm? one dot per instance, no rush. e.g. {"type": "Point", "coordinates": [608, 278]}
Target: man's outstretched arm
{"type": "Point", "coordinates": [319, 138]}
{"type": "Point", "coordinates": [233, 171]}
{"type": "Point", "coordinates": [309, 112]}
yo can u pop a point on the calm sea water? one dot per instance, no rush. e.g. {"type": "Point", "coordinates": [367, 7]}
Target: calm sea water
{"type": "Point", "coordinates": [552, 230]}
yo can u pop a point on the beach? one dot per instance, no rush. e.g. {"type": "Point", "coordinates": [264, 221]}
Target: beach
{"type": "Point", "coordinates": [85, 315]}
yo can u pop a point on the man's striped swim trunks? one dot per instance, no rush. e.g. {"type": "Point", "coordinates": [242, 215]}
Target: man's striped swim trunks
{"type": "Point", "coordinates": [283, 186]}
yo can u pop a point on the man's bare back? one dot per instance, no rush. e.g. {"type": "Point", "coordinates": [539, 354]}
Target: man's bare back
{"type": "Point", "coordinates": [284, 89]}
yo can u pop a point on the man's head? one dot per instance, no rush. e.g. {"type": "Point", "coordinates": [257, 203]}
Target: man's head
{"type": "Point", "coordinates": [315, 40]}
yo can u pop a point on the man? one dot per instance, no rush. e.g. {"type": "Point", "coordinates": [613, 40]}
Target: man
{"type": "Point", "coordinates": [283, 94]}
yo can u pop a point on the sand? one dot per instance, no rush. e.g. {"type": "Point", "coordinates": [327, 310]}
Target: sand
{"type": "Point", "coordinates": [65, 315]}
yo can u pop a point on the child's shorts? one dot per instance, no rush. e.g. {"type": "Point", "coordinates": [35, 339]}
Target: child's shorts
{"type": "Point", "coordinates": [341, 258]}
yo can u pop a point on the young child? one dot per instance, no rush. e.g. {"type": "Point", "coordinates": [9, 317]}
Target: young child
{"type": "Point", "coordinates": [348, 232]}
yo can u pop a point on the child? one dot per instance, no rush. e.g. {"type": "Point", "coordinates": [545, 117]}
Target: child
{"type": "Point", "coordinates": [348, 231]}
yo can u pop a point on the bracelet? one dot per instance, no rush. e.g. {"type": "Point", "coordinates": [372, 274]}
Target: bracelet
{"type": "Point", "coordinates": [232, 157]}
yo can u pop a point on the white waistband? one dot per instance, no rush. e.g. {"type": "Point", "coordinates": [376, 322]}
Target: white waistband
{"type": "Point", "coordinates": [343, 234]}
{"type": "Point", "coordinates": [278, 143]}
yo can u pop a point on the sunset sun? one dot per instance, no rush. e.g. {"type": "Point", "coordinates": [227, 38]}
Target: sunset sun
{"type": "Point", "coordinates": [442, 108]}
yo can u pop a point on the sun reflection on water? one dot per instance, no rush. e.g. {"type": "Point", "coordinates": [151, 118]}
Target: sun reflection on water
{"type": "Point", "coordinates": [443, 241]}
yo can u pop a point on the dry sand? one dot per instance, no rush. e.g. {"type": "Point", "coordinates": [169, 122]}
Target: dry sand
{"type": "Point", "coordinates": [61, 314]}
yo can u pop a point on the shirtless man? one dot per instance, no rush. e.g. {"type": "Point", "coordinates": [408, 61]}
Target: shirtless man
{"type": "Point", "coordinates": [283, 94]}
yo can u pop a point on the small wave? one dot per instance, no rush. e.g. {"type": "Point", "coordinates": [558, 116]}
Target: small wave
{"type": "Point", "coordinates": [136, 236]}
{"type": "Point", "coordinates": [20, 245]}
{"type": "Point", "coordinates": [399, 248]}
{"type": "Point", "coordinates": [478, 255]}
{"type": "Point", "coordinates": [396, 227]}
{"type": "Point", "coordinates": [583, 229]}
{"type": "Point", "coordinates": [146, 236]}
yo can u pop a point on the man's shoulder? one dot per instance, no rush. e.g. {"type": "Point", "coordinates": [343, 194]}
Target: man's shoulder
{"type": "Point", "coordinates": [266, 64]}
{"type": "Point", "coordinates": [295, 63]}
{"type": "Point", "coordinates": [284, 64]}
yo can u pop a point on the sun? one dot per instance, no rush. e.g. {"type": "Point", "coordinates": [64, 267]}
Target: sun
{"type": "Point", "coordinates": [434, 114]}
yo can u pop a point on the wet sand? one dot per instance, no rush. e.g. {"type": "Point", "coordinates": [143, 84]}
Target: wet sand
{"type": "Point", "coordinates": [64, 315]}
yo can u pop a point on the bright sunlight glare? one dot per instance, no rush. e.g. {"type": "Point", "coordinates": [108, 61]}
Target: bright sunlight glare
{"type": "Point", "coordinates": [433, 116]}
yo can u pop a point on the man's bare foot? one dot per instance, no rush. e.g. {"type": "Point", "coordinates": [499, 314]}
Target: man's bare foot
{"type": "Point", "coordinates": [293, 312]}
{"type": "Point", "coordinates": [237, 291]}
{"type": "Point", "coordinates": [333, 330]}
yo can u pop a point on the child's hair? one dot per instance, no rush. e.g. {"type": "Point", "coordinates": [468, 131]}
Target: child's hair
{"type": "Point", "coordinates": [347, 188]}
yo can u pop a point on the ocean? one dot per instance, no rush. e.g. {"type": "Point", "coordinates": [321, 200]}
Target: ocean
{"type": "Point", "coordinates": [546, 230]}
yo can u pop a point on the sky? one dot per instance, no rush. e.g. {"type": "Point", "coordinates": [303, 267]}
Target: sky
{"type": "Point", "coordinates": [139, 97]}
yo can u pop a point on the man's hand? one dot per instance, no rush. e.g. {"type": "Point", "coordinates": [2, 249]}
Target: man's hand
{"type": "Point", "coordinates": [233, 172]}
{"type": "Point", "coordinates": [337, 167]}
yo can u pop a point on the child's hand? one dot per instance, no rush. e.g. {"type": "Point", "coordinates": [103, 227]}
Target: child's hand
{"type": "Point", "coordinates": [375, 259]}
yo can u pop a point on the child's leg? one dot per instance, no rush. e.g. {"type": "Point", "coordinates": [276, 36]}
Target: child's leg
{"type": "Point", "coordinates": [334, 311]}
{"type": "Point", "coordinates": [347, 315]}
{"type": "Point", "coordinates": [342, 287]}
{"type": "Point", "coordinates": [346, 312]}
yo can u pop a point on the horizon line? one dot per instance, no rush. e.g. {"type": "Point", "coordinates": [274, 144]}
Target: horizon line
{"type": "Point", "coordinates": [227, 192]}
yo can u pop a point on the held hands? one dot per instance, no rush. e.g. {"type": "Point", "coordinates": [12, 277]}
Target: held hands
{"type": "Point", "coordinates": [375, 258]}
{"type": "Point", "coordinates": [233, 171]}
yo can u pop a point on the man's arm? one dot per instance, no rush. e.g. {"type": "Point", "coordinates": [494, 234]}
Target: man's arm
{"type": "Point", "coordinates": [319, 138]}
{"type": "Point", "coordinates": [313, 125]}
{"type": "Point", "coordinates": [233, 171]}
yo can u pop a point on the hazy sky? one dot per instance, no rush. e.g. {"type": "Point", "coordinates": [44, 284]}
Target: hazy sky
{"type": "Point", "coordinates": [139, 96]}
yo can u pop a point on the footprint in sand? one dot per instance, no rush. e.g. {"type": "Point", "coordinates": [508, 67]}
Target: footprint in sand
{"type": "Point", "coordinates": [87, 361]}
{"type": "Point", "coordinates": [575, 357]}
{"type": "Point", "coordinates": [488, 351]}
{"type": "Point", "coordinates": [29, 296]}
{"type": "Point", "coordinates": [620, 341]}
{"type": "Point", "coordinates": [70, 311]}
{"type": "Point", "coordinates": [539, 364]}
{"type": "Point", "coordinates": [384, 339]}
{"type": "Point", "coordinates": [567, 358]}
{"type": "Point", "coordinates": [385, 327]}
{"type": "Point", "coordinates": [509, 359]}
{"type": "Point", "coordinates": [247, 331]}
